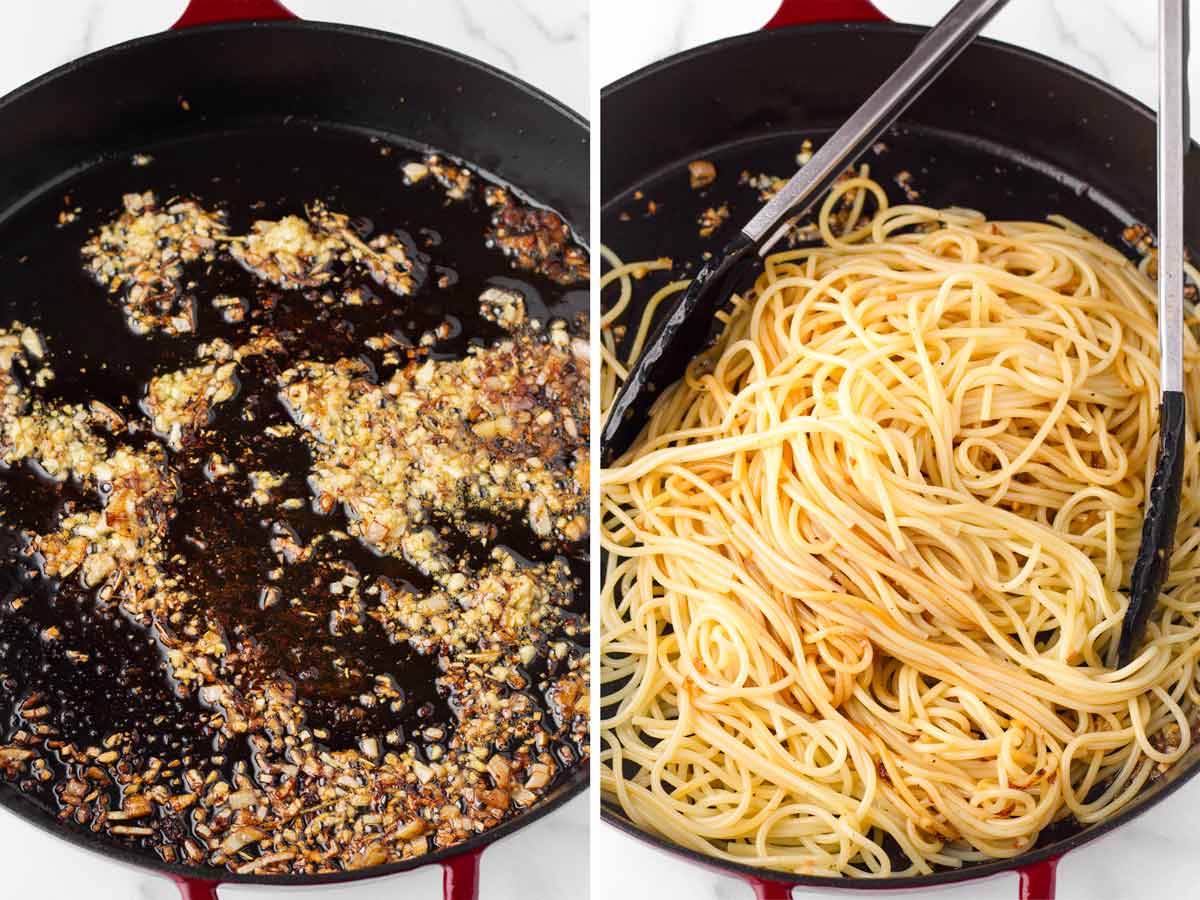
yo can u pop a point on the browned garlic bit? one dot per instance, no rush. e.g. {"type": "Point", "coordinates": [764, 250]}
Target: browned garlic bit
{"type": "Point", "coordinates": [181, 403]}
{"type": "Point", "coordinates": [289, 253]}
{"type": "Point", "coordinates": [220, 350]}
{"type": "Point", "coordinates": [766, 185]}
{"type": "Point", "coordinates": [55, 436]}
{"type": "Point", "coordinates": [503, 306]}
{"type": "Point", "coordinates": [262, 483]}
{"type": "Point", "coordinates": [806, 229]}
{"type": "Point", "coordinates": [904, 180]}
{"type": "Point", "coordinates": [232, 309]}
{"type": "Point", "coordinates": [141, 255]}
{"type": "Point", "coordinates": [500, 607]}
{"type": "Point", "coordinates": [218, 467]}
{"type": "Point", "coordinates": [701, 173]}
{"type": "Point", "coordinates": [300, 253]}
{"type": "Point", "coordinates": [538, 240]}
{"type": "Point", "coordinates": [495, 196]}
{"type": "Point", "coordinates": [712, 219]}
{"type": "Point", "coordinates": [806, 151]}
{"type": "Point", "coordinates": [455, 179]}
{"type": "Point", "coordinates": [487, 626]}
{"type": "Point", "coordinates": [503, 429]}
{"type": "Point", "coordinates": [104, 416]}
{"type": "Point", "coordinates": [414, 172]}
{"type": "Point", "coordinates": [133, 517]}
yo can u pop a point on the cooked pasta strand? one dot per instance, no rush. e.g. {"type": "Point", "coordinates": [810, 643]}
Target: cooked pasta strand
{"type": "Point", "coordinates": [866, 562]}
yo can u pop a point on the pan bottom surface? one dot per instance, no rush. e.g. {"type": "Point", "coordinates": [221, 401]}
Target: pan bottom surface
{"type": "Point", "coordinates": [95, 671]}
{"type": "Point", "coordinates": [661, 215]}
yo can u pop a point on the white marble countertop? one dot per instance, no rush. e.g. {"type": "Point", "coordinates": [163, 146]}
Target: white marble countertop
{"type": "Point", "coordinates": [541, 41]}
{"type": "Point", "coordinates": [1149, 858]}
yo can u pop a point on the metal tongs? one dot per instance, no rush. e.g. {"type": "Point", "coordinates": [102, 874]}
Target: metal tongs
{"type": "Point", "coordinates": [684, 330]}
{"type": "Point", "coordinates": [1162, 511]}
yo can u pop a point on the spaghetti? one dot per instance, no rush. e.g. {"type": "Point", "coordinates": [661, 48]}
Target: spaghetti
{"type": "Point", "coordinates": [866, 561]}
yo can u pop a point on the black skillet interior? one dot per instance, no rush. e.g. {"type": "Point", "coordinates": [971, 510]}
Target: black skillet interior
{"type": "Point", "coordinates": [1005, 131]}
{"type": "Point", "coordinates": [261, 119]}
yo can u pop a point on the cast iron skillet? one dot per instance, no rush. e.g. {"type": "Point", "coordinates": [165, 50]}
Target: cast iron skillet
{"type": "Point", "coordinates": [1004, 130]}
{"type": "Point", "coordinates": [255, 83]}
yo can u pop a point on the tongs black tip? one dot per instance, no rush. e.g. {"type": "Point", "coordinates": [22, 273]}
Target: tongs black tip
{"type": "Point", "coordinates": [678, 337]}
{"type": "Point", "coordinates": [1153, 562]}
{"type": "Point", "coordinates": [1158, 528]}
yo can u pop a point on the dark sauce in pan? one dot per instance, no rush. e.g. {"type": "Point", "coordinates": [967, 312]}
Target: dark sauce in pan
{"type": "Point", "coordinates": [945, 169]}
{"type": "Point", "coordinates": [218, 544]}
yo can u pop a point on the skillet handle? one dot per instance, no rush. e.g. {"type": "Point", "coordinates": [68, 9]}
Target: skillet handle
{"type": "Point", "coordinates": [809, 12]}
{"type": "Point", "coordinates": [1037, 879]}
{"type": "Point", "coordinates": [460, 880]}
{"type": "Point", "coordinates": [766, 888]}
{"type": "Point", "coordinates": [206, 12]}
{"type": "Point", "coordinates": [195, 888]}
{"type": "Point", "coordinates": [460, 876]}
{"type": "Point", "coordinates": [1037, 883]}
